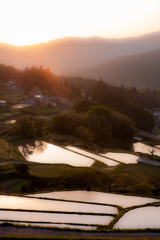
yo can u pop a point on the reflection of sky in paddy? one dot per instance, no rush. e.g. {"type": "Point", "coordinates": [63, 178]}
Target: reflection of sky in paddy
{"type": "Point", "coordinates": [98, 197]}
{"type": "Point", "coordinates": [10, 121]}
{"type": "Point", "coordinates": [143, 148]}
{"type": "Point", "coordinates": [55, 217]}
{"type": "Point", "coordinates": [49, 153]}
{"type": "Point", "coordinates": [140, 218]}
{"type": "Point", "coordinates": [15, 202]}
{"type": "Point", "coordinates": [21, 105]}
{"type": "Point", "coordinates": [95, 156]}
{"type": "Point", "coordinates": [122, 157]}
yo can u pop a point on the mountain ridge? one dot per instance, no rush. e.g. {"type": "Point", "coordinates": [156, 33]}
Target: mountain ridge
{"type": "Point", "coordinates": [65, 55]}
{"type": "Point", "coordinates": [139, 70]}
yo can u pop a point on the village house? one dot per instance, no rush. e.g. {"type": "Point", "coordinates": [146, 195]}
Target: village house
{"type": "Point", "coordinates": [3, 103]}
{"type": "Point", "coordinates": [11, 84]}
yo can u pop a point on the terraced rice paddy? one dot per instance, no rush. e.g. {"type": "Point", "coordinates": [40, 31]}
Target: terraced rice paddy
{"type": "Point", "coordinates": [140, 218]}
{"type": "Point", "coordinates": [42, 210]}
{"type": "Point", "coordinates": [94, 156]}
{"type": "Point", "coordinates": [98, 197]}
{"type": "Point", "coordinates": [43, 152]}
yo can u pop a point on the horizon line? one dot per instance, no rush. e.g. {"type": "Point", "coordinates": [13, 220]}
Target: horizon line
{"type": "Point", "coordinates": [101, 37]}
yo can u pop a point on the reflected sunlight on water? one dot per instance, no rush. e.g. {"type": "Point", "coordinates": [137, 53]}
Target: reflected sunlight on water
{"type": "Point", "coordinates": [122, 157]}
{"type": "Point", "coordinates": [15, 202]}
{"type": "Point", "coordinates": [143, 148]}
{"type": "Point", "coordinates": [98, 197]}
{"type": "Point", "coordinates": [89, 154]}
{"type": "Point", "coordinates": [42, 152]}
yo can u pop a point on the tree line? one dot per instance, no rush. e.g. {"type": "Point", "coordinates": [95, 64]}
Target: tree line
{"type": "Point", "coordinates": [100, 124]}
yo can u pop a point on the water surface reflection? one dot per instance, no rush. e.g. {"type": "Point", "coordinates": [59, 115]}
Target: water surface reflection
{"type": "Point", "coordinates": [55, 217]}
{"type": "Point", "coordinates": [98, 197]}
{"type": "Point", "coordinates": [43, 152]}
{"type": "Point", "coordinates": [25, 203]}
{"type": "Point", "coordinates": [92, 155]}
{"type": "Point", "coordinates": [144, 148]}
{"type": "Point", "coordinates": [146, 217]}
{"type": "Point", "coordinates": [122, 157]}
{"type": "Point", "coordinates": [21, 105]}
{"type": "Point", "coordinates": [36, 147]}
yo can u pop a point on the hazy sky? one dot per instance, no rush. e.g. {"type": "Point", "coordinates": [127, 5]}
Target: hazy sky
{"type": "Point", "coordinates": [24, 22]}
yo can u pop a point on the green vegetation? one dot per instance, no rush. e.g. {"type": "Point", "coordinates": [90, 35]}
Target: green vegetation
{"type": "Point", "coordinates": [10, 111]}
{"type": "Point", "coordinates": [110, 116]}
{"type": "Point", "coordinates": [97, 164]}
{"type": "Point", "coordinates": [27, 128]}
{"type": "Point", "coordinates": [21, 168]}
{"type": "Point", "coordinates": [143, 119]}
{"type": "Point", "coordinates": [84, 134]}
{"type": "Point", "coordinates": [101, 111]}
{"type": "Point", "coordinates": [83, 105]}
{"type": "Point", "coordinates": [9, 152]}
{"type": "Point", "coordinates": [131, 179]}
{"type": "Point", "coordinates": [41, 110]}
{"type": "Point", "coordinates": [120, 99]}
{"type": "Point", "coordinates": [99, 123]}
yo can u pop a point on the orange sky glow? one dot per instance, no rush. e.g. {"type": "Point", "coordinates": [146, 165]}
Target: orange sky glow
{"type": "Point", "coordinates": [33, 21]}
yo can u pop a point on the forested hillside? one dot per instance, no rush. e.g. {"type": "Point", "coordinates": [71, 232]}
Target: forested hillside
{"type": "Point", "coordinates": [140, 71]}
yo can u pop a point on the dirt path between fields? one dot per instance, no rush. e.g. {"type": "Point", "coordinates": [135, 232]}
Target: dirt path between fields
{"type": "Point", "coordinates": [5, 163]}
{"type": "Point", "coordinates": [28, 232]}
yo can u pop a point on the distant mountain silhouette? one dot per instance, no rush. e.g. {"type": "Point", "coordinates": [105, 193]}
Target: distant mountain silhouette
{"type": "Point", "coordinates": [141, 71]}
{"type": "Point", "coordinates": [68, 54]}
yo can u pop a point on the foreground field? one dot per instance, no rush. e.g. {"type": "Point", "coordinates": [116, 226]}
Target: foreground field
{"type": "Point", "coordinates": [13, 232]}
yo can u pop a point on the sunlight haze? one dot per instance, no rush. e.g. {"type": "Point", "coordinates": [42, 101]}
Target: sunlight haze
{"type": "Point", "coordinates": [34, 21]}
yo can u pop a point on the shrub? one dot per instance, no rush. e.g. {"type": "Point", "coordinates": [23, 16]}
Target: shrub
{"type": "Point", "coordinates": [21, 168]}
{"type": "Point", "coordinates": [122, 126]}
{"type": "Point", "coordinates": [25, 188]}
{"type": "Point", "coordinates": [84, 134]}
{"type": "Point", "coordinates": [25, 126]}
{"type": "Point", "coordinates": [143, 189]}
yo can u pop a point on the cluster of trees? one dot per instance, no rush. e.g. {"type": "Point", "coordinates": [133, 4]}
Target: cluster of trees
{"type": "Point", "coordinates": [83, 105]}
{"type": "Point", "coordinates": [142, 119]}
{"type": "Point", "coordinates": [39, 109]}
{"type": "Point", "coordinates": [99, 123]}
{"type": "Point", "coordinates": [126, 101]}
{"type": "Point", "coordinates": [45, 80]}
{"type": "Point", "coordinates": [42, 78]}
{"type": "Point", "coordinates": [120, 181]}
{"type": "Point", "coordinates": [90, 179]}
{"type": "Point", "coordinates": [28, 128]}
{"type": "Point", "coordinates": [144, 97]}
{"type": "Point", "coordinates": [72, 87]}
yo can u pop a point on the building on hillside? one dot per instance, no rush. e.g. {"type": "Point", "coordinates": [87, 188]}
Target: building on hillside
{"type": "Point", "coordinates": [62, 101]}
{"type": "Point", "coordinates": [35, 91]}
{"type": "Point", "coordinates": [12, 84]}
{"type": "Point", "coordinates": [3, 103]}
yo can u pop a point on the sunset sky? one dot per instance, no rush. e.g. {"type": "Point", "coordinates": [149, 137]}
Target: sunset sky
{"type": "Point", "coordinates": [24, 22]}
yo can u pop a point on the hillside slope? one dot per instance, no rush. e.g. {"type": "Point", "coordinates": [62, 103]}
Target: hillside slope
{"type": "Point", "coordinates": [141, 71]}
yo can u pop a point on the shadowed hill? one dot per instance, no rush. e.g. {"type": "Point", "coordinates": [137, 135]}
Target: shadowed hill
{"type": "Point", "coordinates": [68, 54]}
{"type": "Point", "coordinates": [140, 71]}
